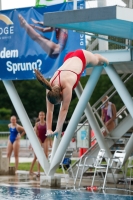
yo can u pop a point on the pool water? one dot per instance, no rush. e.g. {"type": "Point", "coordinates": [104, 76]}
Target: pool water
{"type": "Point", "coordinates": [19, 193]}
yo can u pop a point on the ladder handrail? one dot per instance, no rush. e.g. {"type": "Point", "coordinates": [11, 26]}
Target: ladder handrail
{"type": "Point", "coordinates": [112, 87]}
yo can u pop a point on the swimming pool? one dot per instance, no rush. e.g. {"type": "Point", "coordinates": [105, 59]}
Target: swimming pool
{"type": "Point", "coordinates": [19, 193]}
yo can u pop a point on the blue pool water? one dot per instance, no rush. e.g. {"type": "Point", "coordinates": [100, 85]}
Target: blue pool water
{"type": "Point", "coordinates": [19, 193]}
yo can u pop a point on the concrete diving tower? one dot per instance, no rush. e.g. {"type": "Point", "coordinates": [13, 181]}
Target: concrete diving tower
{"type": "Point", "coordinates": [111, 21]}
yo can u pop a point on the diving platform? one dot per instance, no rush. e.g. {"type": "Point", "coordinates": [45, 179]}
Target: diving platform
{"type": "Point", "coordinates": [121, 60]}
{"type": "Point", "coordinates": [112, 21]}
{"type": "Point", "coordinates": [109, 21]}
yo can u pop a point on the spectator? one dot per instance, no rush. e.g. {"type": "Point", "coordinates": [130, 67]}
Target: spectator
{"type": "Point", "coordinates": [40, 129]}
{"type": "Point", "coordinates": [16, 132]}
{"type": "Point", "coordinates": [108, 115]}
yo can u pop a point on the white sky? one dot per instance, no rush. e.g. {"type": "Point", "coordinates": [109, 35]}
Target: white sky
{"type": "Point", "coordinates": [92, 3]}
{"type": "Point", "coordinates": [10, 4]}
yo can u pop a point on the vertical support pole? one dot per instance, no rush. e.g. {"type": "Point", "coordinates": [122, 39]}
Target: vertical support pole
{"type": "Point", "coordinates": [74, 4]}
{"type": "Point", "coordinates": [103, 45]}
{"type": "Point", "coordinates": [121, 88]}
{"type": "Point", "coordinates": [27, 124]}
{"type": "Point", "coordinates": [89, 88]}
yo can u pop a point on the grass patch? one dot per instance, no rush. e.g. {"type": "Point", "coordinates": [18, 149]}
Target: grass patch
{"type": "Point", "coordinates": [26, 167]}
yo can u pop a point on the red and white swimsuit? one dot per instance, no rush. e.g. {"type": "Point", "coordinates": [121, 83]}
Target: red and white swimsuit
{"type": "Point", "coordinates": [78, 53]}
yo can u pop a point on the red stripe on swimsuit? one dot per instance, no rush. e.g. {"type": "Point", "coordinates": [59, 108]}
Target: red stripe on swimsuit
{"type": "Point", "coordinates": [42, 132]}
{"type": "Point", "coordinates": [78, 53]}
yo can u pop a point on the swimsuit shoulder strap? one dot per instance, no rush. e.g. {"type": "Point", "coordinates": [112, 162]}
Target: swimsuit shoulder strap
{"type": "Point", "coordinates": [17, 127]}
{"type": "Point", "coordinates": [58, 74]}
{"type": "Point", "coordinates": [70, 71]}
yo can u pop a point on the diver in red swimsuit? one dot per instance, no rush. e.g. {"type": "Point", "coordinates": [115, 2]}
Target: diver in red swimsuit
{"type": "Point", "coordinates": [64, 80]}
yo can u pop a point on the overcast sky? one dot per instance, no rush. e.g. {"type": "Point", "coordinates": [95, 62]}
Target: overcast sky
{"type": "Point", "coordinates": [10, 4]}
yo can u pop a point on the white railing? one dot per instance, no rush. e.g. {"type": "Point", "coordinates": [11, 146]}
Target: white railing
{"type": "Point", "coordinates": [24, 142]}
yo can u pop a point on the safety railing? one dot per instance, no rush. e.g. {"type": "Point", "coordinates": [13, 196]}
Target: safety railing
{"type": "Point", "coordinates": [25, 151]}
{"type": "Point", "coordinates": [120, 115]}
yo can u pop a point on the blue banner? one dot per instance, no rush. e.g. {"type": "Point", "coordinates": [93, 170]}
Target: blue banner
{"type": "Point", "coordinates": [25, 43]}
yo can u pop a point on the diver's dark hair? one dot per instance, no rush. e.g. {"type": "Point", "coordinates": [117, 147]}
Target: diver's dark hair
{"type": "Point", "coordinates": [54, 95]}
{"type": "Point", "coordinates": [42, 80]}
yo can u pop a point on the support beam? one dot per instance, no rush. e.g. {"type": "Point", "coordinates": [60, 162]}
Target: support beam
{"type": "Point", "coordinates": [26, 124]}
{"type": "Point", "coordinates": [55, 145]}
{"type": "Point", "coordinates": [121, 88]}
{"type": "Point", "coordinates": [122, 127]}
{"type": "Point", "coordinates": [129, 147]}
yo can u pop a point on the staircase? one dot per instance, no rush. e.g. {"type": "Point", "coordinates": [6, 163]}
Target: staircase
{"type": "Point", "coordinates": [116, 139]}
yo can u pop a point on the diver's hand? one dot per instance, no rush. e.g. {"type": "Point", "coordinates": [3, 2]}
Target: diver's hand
{"type": "Point", "coordinates": [18, 136]}
{"type": "Point", "coordinates": [49, 133]}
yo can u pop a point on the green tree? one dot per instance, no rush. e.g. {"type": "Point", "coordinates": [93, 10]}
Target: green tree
{"type": "Point", "coordinates": [5, 113]}
{"type": "Point", "coordinates": [33, 97]}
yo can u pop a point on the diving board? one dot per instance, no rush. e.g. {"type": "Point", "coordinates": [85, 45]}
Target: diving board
{"type": "Point", "coordinates": [112, 21]}
{"type": "Point", "coordinates": [121, 60]}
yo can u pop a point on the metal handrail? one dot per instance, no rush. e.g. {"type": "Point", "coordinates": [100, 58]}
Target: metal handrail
{"type": "Point", "coordinates": [96, 110]}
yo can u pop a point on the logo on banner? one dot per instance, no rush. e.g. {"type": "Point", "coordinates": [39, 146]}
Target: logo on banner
{"type": "Point", "coordinates": [48, 2]}
{"type": "Point", "coordinates": [8, 29]}
{"type": "Point", "coordinates": [5, 19]}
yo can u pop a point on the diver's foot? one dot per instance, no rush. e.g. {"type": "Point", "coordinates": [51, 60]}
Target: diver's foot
{"type": "Point", "coordinates": [104, 64]}
{"type": "Point", "coordinates": [32, 173]}
{"type": "Point", "coordinates": [38, 174]}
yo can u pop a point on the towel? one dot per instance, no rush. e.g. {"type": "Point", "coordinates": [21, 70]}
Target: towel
{"type": "Point", "coordinates": [109, 110]}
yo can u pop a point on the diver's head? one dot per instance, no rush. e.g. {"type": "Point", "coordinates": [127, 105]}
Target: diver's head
{"type": "Point", "coordinates": [55, 95]}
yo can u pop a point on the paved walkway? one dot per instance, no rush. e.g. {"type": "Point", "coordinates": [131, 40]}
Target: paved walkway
{"type": "Point", "coordinates": [30, 159]}
{"type": "Point", "coordinates": [22, 160]}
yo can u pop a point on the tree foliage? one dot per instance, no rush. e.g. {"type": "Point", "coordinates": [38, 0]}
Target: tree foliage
{"type": "Point", "coordinates": [5, 113]}
{"type": "Point", "coordinates": [33, 97]}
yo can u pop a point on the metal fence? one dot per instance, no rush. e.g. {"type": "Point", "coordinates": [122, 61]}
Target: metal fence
{"type": "Point", "coordinates": [25, 150]}
{"type": "Point", "coordinates": [24, 142]}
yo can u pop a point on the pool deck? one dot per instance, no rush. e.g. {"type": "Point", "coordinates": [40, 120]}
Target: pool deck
{"type": "Point", "coordinates": [23, 179]}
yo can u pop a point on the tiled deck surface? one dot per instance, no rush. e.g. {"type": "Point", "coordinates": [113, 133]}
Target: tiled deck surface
{"type": "Point", "coordinates": [23, 179]}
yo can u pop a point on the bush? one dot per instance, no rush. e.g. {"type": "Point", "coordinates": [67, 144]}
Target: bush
{"type": "Point", "coordinates": [5, 113]}
{"type": "Point", "coordinates": [4, 127]}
